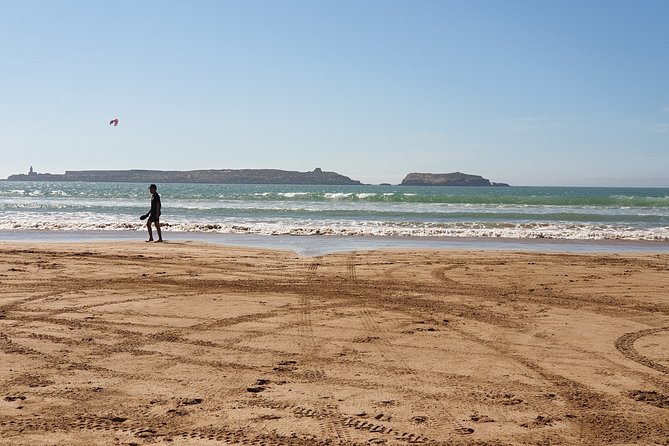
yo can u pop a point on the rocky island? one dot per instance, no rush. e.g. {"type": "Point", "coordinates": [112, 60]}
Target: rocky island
{"type": "Point", "coordinates": [448, 179]}
{"type": "Point", "coordinates": [211, 176]}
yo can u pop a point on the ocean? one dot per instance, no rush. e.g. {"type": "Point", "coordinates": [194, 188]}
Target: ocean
{"type": "Point", "coordinates": [372, 212]}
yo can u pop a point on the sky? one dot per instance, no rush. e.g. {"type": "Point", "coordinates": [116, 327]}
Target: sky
{"type": "Point", "coordinates": [527, 92]}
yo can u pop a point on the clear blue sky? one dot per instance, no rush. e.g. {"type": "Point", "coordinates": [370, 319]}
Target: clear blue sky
{"type": "Point", "coordinates": [526, 92]}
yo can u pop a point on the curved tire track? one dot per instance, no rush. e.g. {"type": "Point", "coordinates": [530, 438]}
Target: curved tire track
{"type": "Point", "coordinates": [625, 345]}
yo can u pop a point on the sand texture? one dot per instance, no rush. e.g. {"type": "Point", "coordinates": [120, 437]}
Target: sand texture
{"type": "Point", "coordinates": [194, 344]}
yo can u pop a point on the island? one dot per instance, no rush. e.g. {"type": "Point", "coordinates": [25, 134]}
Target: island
{"type": "Point", "coordinates": [247, 176]}
{"type": "Point", "coordinates": [211, 176]}
{"type": "Point", "coordinates": [448, 179]}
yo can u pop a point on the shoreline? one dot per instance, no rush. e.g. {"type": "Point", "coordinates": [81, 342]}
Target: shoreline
{"type": "Point", "coordinates": [315, 245]}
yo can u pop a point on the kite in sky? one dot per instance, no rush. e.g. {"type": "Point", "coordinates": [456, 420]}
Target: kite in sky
{"type": "Point", "coordinates": [114, 122]}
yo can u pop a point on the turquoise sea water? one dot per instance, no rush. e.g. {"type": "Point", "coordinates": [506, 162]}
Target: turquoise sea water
{"type": "Point", "coordinates": [562, 213]}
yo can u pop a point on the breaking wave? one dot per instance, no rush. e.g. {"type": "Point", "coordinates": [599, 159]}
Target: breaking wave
{"type": "Point", "coordinates": [544, 230]}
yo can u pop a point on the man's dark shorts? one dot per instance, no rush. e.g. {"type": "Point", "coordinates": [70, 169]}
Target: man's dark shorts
{"type": "Point", "coordinates": [154, 219]}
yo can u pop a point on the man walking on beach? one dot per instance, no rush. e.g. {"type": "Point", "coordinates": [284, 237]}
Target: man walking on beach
{"type": "Point", "coordinates": [154, 214]}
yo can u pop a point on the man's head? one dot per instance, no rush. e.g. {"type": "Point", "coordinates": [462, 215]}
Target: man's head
{"type": "Point", "coordinates": [152, 188]}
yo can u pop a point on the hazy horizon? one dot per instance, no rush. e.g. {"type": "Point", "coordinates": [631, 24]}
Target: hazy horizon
{"type": "Point", "coordinates": [520, 92]}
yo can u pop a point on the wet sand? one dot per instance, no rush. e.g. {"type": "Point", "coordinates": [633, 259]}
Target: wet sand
{"type": "Point", "coordinates": [187, 344]}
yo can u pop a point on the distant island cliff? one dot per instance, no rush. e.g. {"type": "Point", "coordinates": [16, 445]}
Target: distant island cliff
{"type": "Point", "coordinates": [213, 176]}
{"type": "Point", "coordinates": [448, 179]}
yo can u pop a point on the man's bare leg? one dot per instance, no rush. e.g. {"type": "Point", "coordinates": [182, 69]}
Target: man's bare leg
{"type": "Point", "coordinates": [160, 235]}
{"type": "Point", "coordinates": [148, 226]}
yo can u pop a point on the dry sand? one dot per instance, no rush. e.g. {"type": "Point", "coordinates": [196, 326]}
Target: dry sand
{"type": "Point", "coordinates": [184, 344]}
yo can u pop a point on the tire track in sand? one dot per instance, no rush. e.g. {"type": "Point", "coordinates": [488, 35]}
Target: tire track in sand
{"type": "Point", "coordinates": [625, 345]}
{"type": "Point", "coordinates": [392, 356]}
{"type": "Point", "coordinates": [158, 429]}
{"type": "Point", "coordinates": [310, 346]}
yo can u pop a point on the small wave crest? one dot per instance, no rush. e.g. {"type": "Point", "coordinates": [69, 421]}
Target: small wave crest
{"type": "Point", "coordinates": [292, 194]}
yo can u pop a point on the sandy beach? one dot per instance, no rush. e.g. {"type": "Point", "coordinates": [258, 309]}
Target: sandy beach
{"type": "Point", "coordinates": [182, 343]}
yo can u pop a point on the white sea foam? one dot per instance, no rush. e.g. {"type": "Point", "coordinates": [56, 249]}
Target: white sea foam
{"type": "Point", "coordinates": [368, 228]}
{"type": "Point", "coordinates": [338, 195]}
{"type": "Point", "coordinates": [365, 195]}
{"type": "Point", "coordinates": [292, 194]}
